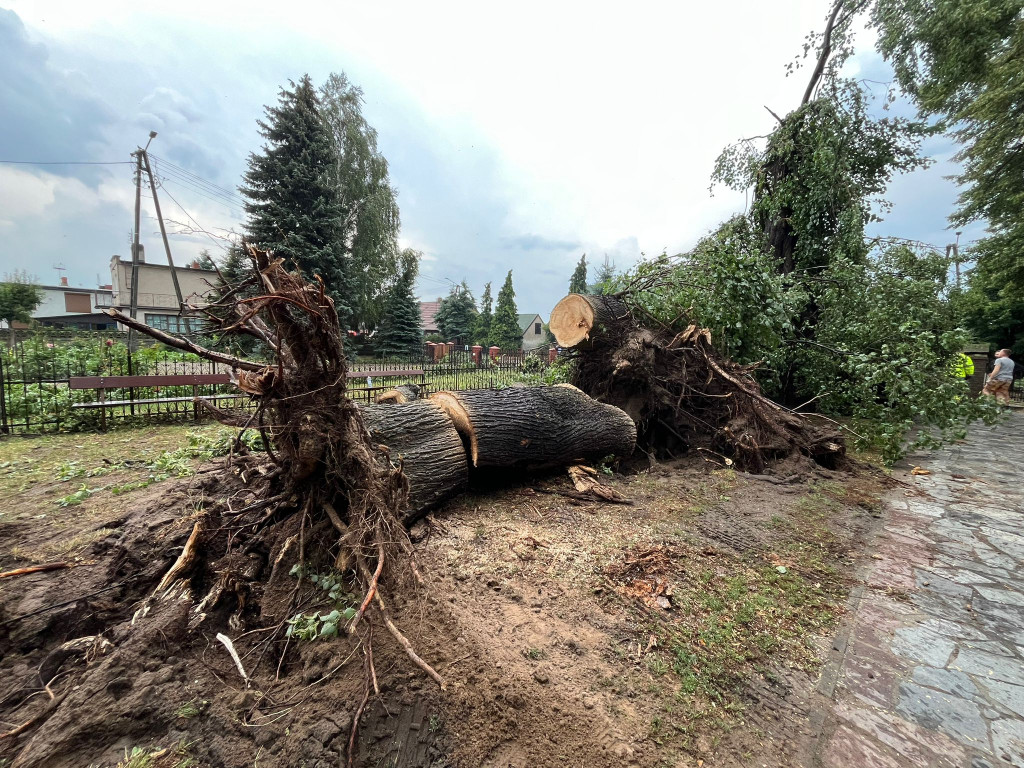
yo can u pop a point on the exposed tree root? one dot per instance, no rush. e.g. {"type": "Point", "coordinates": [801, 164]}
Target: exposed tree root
{"type": "Point", "coordinates": [680, 393]}
{"type": "Point", "coordinates": [330, 490]}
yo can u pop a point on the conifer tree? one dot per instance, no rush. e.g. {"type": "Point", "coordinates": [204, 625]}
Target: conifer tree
{"type": "Point", "coordinates": [505, 331]}
{"type": "Point", "coordinates": [483, 320]}
{"type": "Point", "coordinates": [578, 281]}
{"type": "Point", "coordinates": [456, 319]}
{"type": "Point", "coordinates": [605, 275]}
{"type": "Point", "coordinates": [294, 207]}
{"type": "Point", "coordinates": [399, 333]}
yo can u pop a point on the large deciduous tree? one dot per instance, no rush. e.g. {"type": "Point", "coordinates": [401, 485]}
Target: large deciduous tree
{"type": "Point", "coordinates": [294, 207]}
{"type": "Point", "coordinates": [369, 212]}
{"type": "Point", "coordinates": [399, 333]}
{"type": "Point", "coordinates": [961, 60]}
{"type": "Point", "coordinates": [505, 330]}
{"type": "Point", "coordinates": [19, 296]}
{"type": "Point", "coordinates": [456, 318]}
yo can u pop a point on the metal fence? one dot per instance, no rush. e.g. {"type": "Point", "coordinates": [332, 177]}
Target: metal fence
{"type": "Point", "coordinates": [35, 395]}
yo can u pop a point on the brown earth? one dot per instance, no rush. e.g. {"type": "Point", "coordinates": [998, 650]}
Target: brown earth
{"type": "Point", "coordinates": [687, 627]}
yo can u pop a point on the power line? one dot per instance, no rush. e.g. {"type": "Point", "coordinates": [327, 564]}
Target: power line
{"type": "Point", "coordinates": [229, 204]}
{"type": "Point", "coordinates": [66, 162]}
{"type": "Point", "coordinates": [194, 176]}
{"type": "Point", "coordinates": [199, 226]}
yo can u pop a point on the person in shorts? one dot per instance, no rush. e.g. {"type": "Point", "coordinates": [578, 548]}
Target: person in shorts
{"type": "Point", "coordinates": [998, 384]}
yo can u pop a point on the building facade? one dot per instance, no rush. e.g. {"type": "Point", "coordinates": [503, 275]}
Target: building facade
{"type": "Point", "coordinates": [157, 302]}
{"type": "Point", "coordinates": [532, 327]}
{"type": "Point", "coordinates": [66, 306]}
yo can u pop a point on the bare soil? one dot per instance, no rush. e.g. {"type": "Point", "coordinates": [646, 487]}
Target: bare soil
{"type": "Point", "coordinates": [688, 626]}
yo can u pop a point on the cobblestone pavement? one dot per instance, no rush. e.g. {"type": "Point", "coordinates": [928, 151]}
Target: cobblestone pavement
{"type": "Point", "coordinates": [929, 670]}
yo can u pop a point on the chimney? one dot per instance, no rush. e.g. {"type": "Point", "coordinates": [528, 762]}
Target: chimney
{"type": "Point", "coordinates": [64, 281]}
{"type": "Point", "coordinates": [195, 264]}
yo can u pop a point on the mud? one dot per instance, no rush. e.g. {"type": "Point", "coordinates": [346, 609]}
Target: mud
{"type": "Point", "coordinates": [545, 662]}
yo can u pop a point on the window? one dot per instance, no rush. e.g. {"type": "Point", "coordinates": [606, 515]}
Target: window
{"type": "Point", "coordinates": [77, 302]}
{"type": "Point", "coordinates": [536, 328]}
{"type": "Point", "coordinates": [171, 323]}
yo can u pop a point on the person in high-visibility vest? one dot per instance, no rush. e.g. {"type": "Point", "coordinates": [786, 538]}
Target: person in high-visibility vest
{"type": "Point", "coordinates": [963, 366]}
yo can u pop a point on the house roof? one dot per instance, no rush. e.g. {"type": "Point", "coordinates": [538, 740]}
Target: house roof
{"type": "Point", "coordinates": [428, 309]}
{"type": "Point", "coordinates": [525, 321]}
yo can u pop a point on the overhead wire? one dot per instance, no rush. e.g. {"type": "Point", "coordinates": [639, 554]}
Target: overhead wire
{"type": "Point", "coordinates": [66, 162]}
{"type": "Point", "coordinates": [199, 226]}
{"type": "Point", "coordinates": [177, 170]}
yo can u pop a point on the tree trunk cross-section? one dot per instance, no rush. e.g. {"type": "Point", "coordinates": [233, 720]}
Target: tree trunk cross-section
{"type": "Point", "coordinates": [537, 426]}
{"type": "Point", "coordinates": [421, 434]}
{"type": "Point", "coordinates": [577, 318]}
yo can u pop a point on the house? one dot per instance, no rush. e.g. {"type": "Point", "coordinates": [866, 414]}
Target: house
{"type": "Point", "coordinates": [64, 306]}
{"type": "Point", "coordinates": [532, 327]}
{"type": "Point", "coordinates": [428, 316]}
{"type": "Point", "coordinates": [157, 301]}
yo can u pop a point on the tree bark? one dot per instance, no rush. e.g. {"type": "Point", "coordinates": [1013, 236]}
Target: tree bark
{"type": "Point", "coordinates": [423, 437]}
{"type": "Point", "coordinates": [537, 426]}
{"type": "Point", "coordinates": [579, 317]}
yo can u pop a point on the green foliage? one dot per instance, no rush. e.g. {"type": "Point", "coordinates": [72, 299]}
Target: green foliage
{"type": "Point", "coordinates": [890, 339]}
{"type": "Point", "coordinates": [961, 61]}
{"type": "Point", "coordinates": [604, 282]}
{"type": "Point", "coordinates": [482, 334]}
{"type": "Point", "coordinates": [19, 296]}
{"type": "Point", "coordinates": [399, 333]}
{"type": "Point", "coordinates": [322, 626]}
{"type": "Point", "coordinates": [368, 209]}
{"type": "Point", "coordinates": [457, 317]}
{"type": "Point", "coordinates": [294, 206]}
{"type": "Point", "coordinates": [727, 283]}
{"type": "Point", "coordinates": [505, 331]}
{"type": "Point", "coordinates": [578, 281]}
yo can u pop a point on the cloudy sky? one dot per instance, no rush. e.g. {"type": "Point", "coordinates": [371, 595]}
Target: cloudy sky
{"type": "Point", "coordinates": [519, 136]}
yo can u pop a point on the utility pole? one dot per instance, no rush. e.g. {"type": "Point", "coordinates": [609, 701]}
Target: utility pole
{"type": "Point", "coordinates": [955, 249]}
{"type": "Point", "coordinates": [163, 234]}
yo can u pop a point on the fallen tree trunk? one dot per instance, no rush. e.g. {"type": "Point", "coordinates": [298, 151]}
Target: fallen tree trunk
{"type": "Point", "coordinates": [537, 426]}
{"type": "Point", "coordinates": [680, 393]}
{"type": "Point", "coordinates": [578, 318]}
{"type": "Point", "coordinates": [403, 393]}
{"type": "Point", "coordinates": [423, 438]}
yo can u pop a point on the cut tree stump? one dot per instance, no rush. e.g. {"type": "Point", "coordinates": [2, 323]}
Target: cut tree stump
{"type": "Point", "coordinates": [537, 426]}
{"type": "Point", "coordinates": [424, 438]}
{"type": "Point", "coordinates": [577, 317]}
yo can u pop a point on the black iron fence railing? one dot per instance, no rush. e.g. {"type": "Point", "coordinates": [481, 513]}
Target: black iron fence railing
{"type": "Point", "coordinates": [36, 396]}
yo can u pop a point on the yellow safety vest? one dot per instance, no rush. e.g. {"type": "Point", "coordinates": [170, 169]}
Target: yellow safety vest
{"type": "Point", "coordinates": [963, 366]}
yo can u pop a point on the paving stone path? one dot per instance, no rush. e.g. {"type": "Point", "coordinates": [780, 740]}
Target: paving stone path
{"type": "Point", "coordinates": [929, 670]}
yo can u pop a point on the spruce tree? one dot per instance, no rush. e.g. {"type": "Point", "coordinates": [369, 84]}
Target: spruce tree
{"type": "Point", "coordinates": [483, 320]}
{"type": "Point", "coordinates": [456, 319]}
{"type": "Point", "coordinates": [399, 333]}
{"type": "Point", "coordinates": [294, 208]}
{"type": "Point", "coordinates": [578, 281]}
{"type": "Point", "coordinates": [604, 282]}
{"type": "Point", "coordinates": [505, 331]}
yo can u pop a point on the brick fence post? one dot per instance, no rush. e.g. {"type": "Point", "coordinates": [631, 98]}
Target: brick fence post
{"type": "Point", "coordinates": [493, 352]}
{"type": "Point", "coordinates": [477, 349]}
{"type": "Point", "coordinates": [552, 354]}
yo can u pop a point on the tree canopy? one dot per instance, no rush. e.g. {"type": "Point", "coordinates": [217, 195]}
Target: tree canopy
{"type": "Point", "coordinates": [578, 281]}
{"type": "Point", "coordinates": [399, 333]}
{"type": "Point", "coordinates": [962, 63]}
{"type": "Point", "coordinates": [457, 316]}
{"type": "Point", "coordinates": [505, 331]}
{"type": "Point", "coordinates": [369, 212]}
{"type": "Point", "coordinates": [294, 208]}
{"type": "Point", "coordinates": [19, 297]}
{"type": "Point", "coordinates": [483, 320]}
